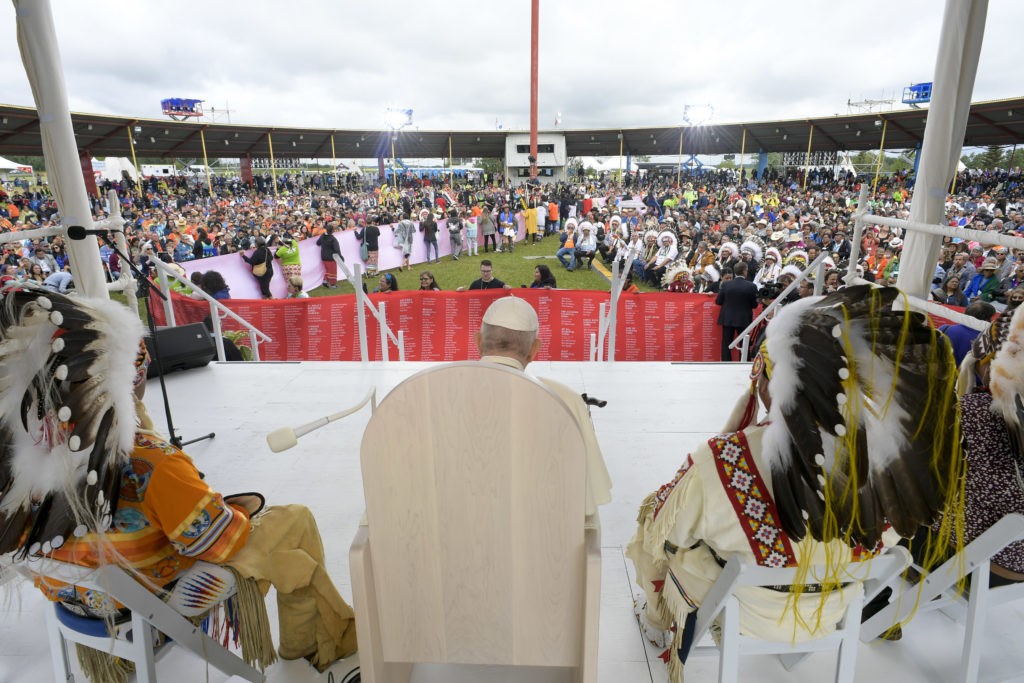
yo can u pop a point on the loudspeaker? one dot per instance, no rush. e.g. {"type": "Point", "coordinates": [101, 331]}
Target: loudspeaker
{"type": "Point", "coordinates": [181, 348]}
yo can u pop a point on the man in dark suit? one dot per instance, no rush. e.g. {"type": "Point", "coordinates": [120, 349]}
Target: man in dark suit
{"type": "Point", "coordinates": [738, 299]}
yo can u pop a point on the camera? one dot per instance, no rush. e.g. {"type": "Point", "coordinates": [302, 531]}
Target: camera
{"type": "Point", "coordinates": [770, 291]}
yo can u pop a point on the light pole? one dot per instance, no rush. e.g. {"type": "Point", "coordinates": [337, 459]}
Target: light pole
{"type": "Point", "coordinates": [694, 115]}
{"type": "Point", "coordinates": [396, 120]}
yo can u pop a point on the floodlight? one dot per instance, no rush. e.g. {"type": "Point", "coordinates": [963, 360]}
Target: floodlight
{"type": "Point", "coordinates": [397, 119]}
{"type": "Point", "coordinates": [698, 114]}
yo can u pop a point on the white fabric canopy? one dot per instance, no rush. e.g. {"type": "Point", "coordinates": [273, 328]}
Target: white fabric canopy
{"type": "Point", "coordinates": [8, 165]}
{"type": "Point", "coordinates": [956, 66]}
{"type": "Point", "coordinates": [37, 40]}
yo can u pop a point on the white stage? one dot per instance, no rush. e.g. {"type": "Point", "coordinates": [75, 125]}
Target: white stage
{"type": "Point", "coordinates": [656, 413]}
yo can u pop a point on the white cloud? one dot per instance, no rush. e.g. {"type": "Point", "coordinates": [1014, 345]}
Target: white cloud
{"type": "Point", "coordinates": [462, 64]}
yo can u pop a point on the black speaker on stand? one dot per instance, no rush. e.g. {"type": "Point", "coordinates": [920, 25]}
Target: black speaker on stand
{"type": "Point", "coordinates": [180, 348]}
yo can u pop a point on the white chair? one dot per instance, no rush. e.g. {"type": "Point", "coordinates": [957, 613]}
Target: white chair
{"type": "Point", "coordinates": [938, 592]}
{"type": "Point", "coordinates": [476, 549]}
{"type": "Point", "coordinates": [876, 574]}
{"type": "Point", "coordinates": [149, 614]}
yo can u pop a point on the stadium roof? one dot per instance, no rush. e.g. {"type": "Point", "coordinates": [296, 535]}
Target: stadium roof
{"type": "Point", "coordinates": [997, 122]}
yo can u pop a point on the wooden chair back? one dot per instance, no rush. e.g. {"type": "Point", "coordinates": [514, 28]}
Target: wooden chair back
{"type": "Point", "coordinates": [474, 475]}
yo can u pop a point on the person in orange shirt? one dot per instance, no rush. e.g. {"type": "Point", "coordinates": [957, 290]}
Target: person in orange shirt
{"type": "Point", "coordinates": [878, 262]}
{"type": "Point", "coordinates": [568, 245]}
{"type": "Point", "coordinates": [127, 496]}
{"type": "Point", "coordinates": [553, 225]}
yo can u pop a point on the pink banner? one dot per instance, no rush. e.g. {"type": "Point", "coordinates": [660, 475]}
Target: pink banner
{"type": "Point", "coordinates": [238, 274]}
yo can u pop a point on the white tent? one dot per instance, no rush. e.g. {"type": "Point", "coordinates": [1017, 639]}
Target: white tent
{"type": "Point", "coordinates": [601, 164]}
{"type": "Point", "coordinates": [7, 166]}
{"type": "Point", "coordinates": [348, 166]}
{"type": "Point", "coordinates": [109, 168]}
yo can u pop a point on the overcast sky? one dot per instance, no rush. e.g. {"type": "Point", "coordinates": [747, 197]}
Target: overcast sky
{"type": "Point", "coordinates": [465, 65]}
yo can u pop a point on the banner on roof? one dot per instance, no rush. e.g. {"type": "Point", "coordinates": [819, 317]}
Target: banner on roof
{"type": "Point", "coordinates": [279, 162]}
{"type": "Point", "coordinates": [819, 157]}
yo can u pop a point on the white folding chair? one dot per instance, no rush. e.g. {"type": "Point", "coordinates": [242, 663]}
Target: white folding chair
{"type": "Point", "coordinates": [721, 600]}
{"type": "Point", "coordinates": [938, 592]}
{"type": "Point", "coordinates": [149, 614]}
{"type": "Point", "coordinates": [476, 550]}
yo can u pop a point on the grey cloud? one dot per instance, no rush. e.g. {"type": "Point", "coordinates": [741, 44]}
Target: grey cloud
{"type": "Point", "coordinates": [462, 64]}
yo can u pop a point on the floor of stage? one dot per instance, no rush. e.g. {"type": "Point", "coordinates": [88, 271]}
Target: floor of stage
{"type": "Point", "coordinates": [656, 413]}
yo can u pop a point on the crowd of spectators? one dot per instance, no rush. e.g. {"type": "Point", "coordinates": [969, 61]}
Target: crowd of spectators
{"type": "Point", "coordinates": [686, 237]}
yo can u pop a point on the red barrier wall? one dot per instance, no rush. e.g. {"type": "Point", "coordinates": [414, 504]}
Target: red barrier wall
{"type": "Point", "coordinates": [439, 326]}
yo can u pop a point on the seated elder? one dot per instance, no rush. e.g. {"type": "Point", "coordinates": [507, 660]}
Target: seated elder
{"type": "Point", "coordinates": [124, 495]}
{"type": "Point", "coordinates": [774, 492]}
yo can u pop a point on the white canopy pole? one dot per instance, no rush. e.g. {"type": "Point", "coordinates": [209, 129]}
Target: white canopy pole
{"type": "Point", "coordinates": [956, 66]}
{"type": "Point", "coordinates": [37, 39]}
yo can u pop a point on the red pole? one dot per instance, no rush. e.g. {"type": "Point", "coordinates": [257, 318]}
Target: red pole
{"type": "Point", "coordinates": [534, 26]}
{"type": "Point", "coordinates": [90, 178]}
{"type": "Point", "coordinates": [245, 164]}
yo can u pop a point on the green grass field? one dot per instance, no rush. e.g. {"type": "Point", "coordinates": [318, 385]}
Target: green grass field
{"type": "Point", "coordinates": [513, 269]}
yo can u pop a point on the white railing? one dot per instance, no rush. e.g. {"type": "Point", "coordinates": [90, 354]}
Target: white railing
{"type": "Point", "coordinates": [609, 310]}
{"type": "Point", "coordinates": [125, 283]}
{"type": "Point", "coordinates": [113, 223]}
{"type": "Point", "coordinates": [862, 217]}
{"type": "Point", "coordinates": [817, 267]}
{"type": "Point", "coordinates": [32, 234]}
{"type": "Point", "coordinates": [355, 278]}
{"type": "Point", "coordinates": [216, 308]}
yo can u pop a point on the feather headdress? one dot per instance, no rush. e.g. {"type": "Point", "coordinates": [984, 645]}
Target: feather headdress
{"type": "Point", "coordinates": [798, 256]}
{"type": "Point", "coordinates": [675, 269]}
{"type": "Point", "coordinates": [863, 426]}
{"type": "Point", "coordinates": [669, 234]}
{"type": "Point", "coordinates": [67, 415]}
{"type": "Point", "coordinates": [615, 224]}
{"type": "Point", "coordinates": [730, 248]}
{"type": "Point", "coordinates": [793, 270]}
{"type": "Point", "coordinates": [755, 246]}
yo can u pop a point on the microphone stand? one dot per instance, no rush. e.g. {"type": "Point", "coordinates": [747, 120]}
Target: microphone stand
{"type": "Point", "coordinates": [145, 285]}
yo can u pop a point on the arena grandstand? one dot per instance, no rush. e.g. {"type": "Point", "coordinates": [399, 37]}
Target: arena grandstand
{"type": "Point", "coordinates": [997, 122]}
